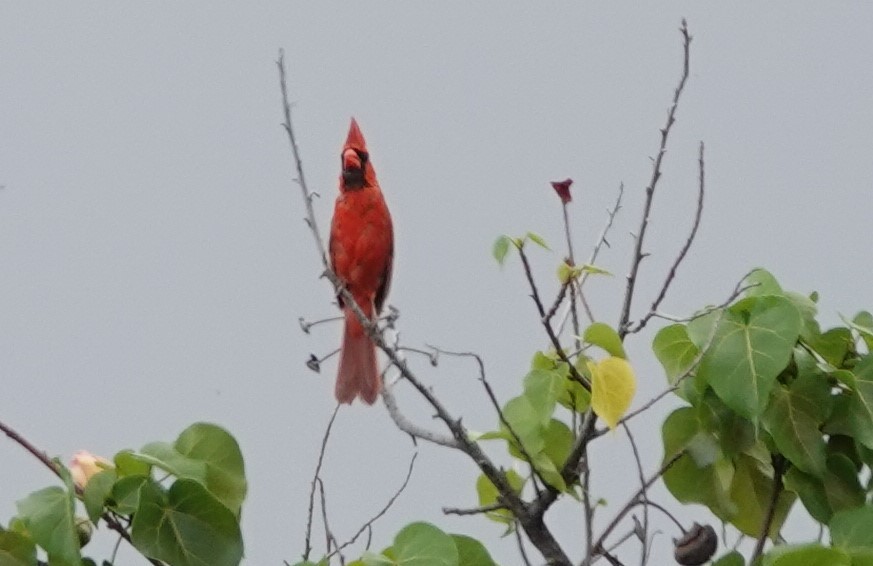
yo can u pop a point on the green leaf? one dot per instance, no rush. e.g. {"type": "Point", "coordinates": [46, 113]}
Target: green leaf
{"type": "Point", "coordinates": [16, 549]}
{"type": "Point", "coordinates": [593, 269]}
{"type": "Point", "coordinates": [806, 555]}
{"type": "Point", "coordinates": [852, 528]}
{"type": "Point", "coordinates": [548, 471]}
{"type": "Point", "coordinates": [524, 420]}
{"type": "Point", "coordinates": [705, 479]}
{"type": "Point", "coordinates": [125, 493]}
{"type": "Point", "coordinates": [558, 442]}
{"type": "Point", "coordinates": [96, 491]}
{"type": "Point", "coordinates": [537, 239]}
{"type": "Point", "coordinates": [834, 345]}
{"type": "Point", "coordinates": [127, 464]}
{"type": "Point", "coordinates": [471, 552]}
{"type": "Point", "coordinates": [732, 558]}
{"type": "Point", "coordinates": [841, 485]}
{"type": "Point", "coordinates": [566, 272]}
{"type": "Point", "coordinates": [373, 559]}
{"type": "Point", "coordinates": [735, 434]}
{"type": "Point", "coordinates": [487, 493]}
{"type": "Point", "coordinates": [220, 453]}
{"type": "Point", "coordinates": [422, 544]}
{"type": "Point", "coordinates": [751, 491]}
{"type": "Point", "coordinates": [574, 396]}
{"type": "Point", "coordinates": [863, 323]}
{"type": "Point", "coordinates": [853, 411]}
{"type": "Point", "coordinates": [764, 283]}
{"type": "Point", "coordinates": [752, 345]}
{"type": "Point", "coordinates": [791, 421]}
{"type": "Point", "coordinates": [604, 336]}
{"type": "Point", "coordinates": [500, 249]}
{"type": "Point", "coordinates": [48, 516]}
{"type": "Point", "coordinates": [186, 526]}
{"type": "Point", "coordinates": [675, 350]}
{"type": "Point", "coordinates": [207, 454]}
{"type": "Point", "coordinates": [542, 389]}
{"type": "Point", "coordinates": [811, 492]}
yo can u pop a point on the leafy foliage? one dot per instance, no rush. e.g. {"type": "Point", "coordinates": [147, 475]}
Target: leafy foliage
{"type": "Point", "coordinates": [776, 407]}
{"type": "Point", "coordinates": [192, 521]}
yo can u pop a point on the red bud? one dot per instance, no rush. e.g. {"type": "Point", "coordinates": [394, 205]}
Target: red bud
{"type": "Point", "coordinates": [563, 189]}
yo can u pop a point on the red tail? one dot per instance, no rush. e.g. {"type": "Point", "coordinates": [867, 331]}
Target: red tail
{"type": "Point", "coordinates": [358, 373]}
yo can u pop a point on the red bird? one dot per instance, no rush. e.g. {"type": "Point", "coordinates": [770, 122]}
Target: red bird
{"type": "Point", "coordinates": [361, 254]}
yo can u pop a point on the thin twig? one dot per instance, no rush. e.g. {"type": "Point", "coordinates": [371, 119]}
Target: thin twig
{"type": "Point", "coordinates": [520, 542]}
{"type": "Point", "coordinates": [535, 473]}
{"type": "Point", "coordinates": [382, 511]}
{"type": "Point", "coordinates": [778, 469]}
{"type": "Point", "coordinates": [411, 428]}
{"type": "Point", "coordinates": [330, 539]}
{"type": "Point", "coordinates": [306, 326]}
{"type": "Point", "coordinates": [664, 510]}
{"type": "Point", "coordinates": [474, 510]}
{"type": "Point", "coordinates": [682, 253]}
{"type": "Point", "coordinates": [556, 343]}
{"type": "Point", "coordinates": [601, 241]}
{"type": "Point", "coordinates": [644, 557]}
{"type": "Point", "coordinates": [599, 545]}
{"type": "Point", "coordinates": [298, 162]}
{"type": "Point", "coordinates": [307, 546]}
{"type": "Point", "coordinates": [650, 189]}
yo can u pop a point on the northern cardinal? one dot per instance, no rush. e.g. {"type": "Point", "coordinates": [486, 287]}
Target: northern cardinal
{"type": "Point", "coordinates": [361, 253]}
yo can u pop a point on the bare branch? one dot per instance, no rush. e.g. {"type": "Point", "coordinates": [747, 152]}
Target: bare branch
{"type": "Point", "coordinates": [411, 428]}
{"type": "Point", "coordinates": [307, 546]}
{"type": "Point", "coordinates": [298, 162]}
{"type": "Point", "coordinates": [653, 182]}
{"type": "Point", "coordinates": [634, 500]}
{"type": "Point", "coordinates": [520, 542]}
{"type": "Point", "coordinates": [644, 557]}
{"type": "Point", "coordinates": [672, 273]}
{"type": "Point", "coordinates": [382, 511]}
{"type": "Point", "coordinates": [601, 241]}
{"type": "Point", "coordinates": [535, 473]}
{"type": "Point", "coordinates": [779, 466]}
{"type": "Point", "coordinates": [474, 510]}
{"type": "Point", "coordinates": [556, 343]}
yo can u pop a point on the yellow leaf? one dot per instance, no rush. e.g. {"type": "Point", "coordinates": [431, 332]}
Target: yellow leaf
{"type": "Point", "coordinates": [613, 385]}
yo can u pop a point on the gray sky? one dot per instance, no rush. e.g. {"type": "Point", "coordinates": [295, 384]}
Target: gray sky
{"type": "Point", "coordinates": [155, 260]}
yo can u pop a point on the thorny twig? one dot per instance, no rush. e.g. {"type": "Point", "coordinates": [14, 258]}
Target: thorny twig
{"type": "Point", "coordinates": [650, 190]}
{"type": "Point", "coordinates": [701, 189]}
{"type": "Point", "coordinates": [381, 512]}
{"type": "Point", "coordinates": [307, 547]}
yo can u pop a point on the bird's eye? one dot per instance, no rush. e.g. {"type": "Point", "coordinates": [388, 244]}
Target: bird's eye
{"type": "Point", "coordinates": [364, 156]}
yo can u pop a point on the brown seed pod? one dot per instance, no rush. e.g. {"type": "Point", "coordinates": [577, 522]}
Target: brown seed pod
{"type": "Point", "coordinates": [696, 546]}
